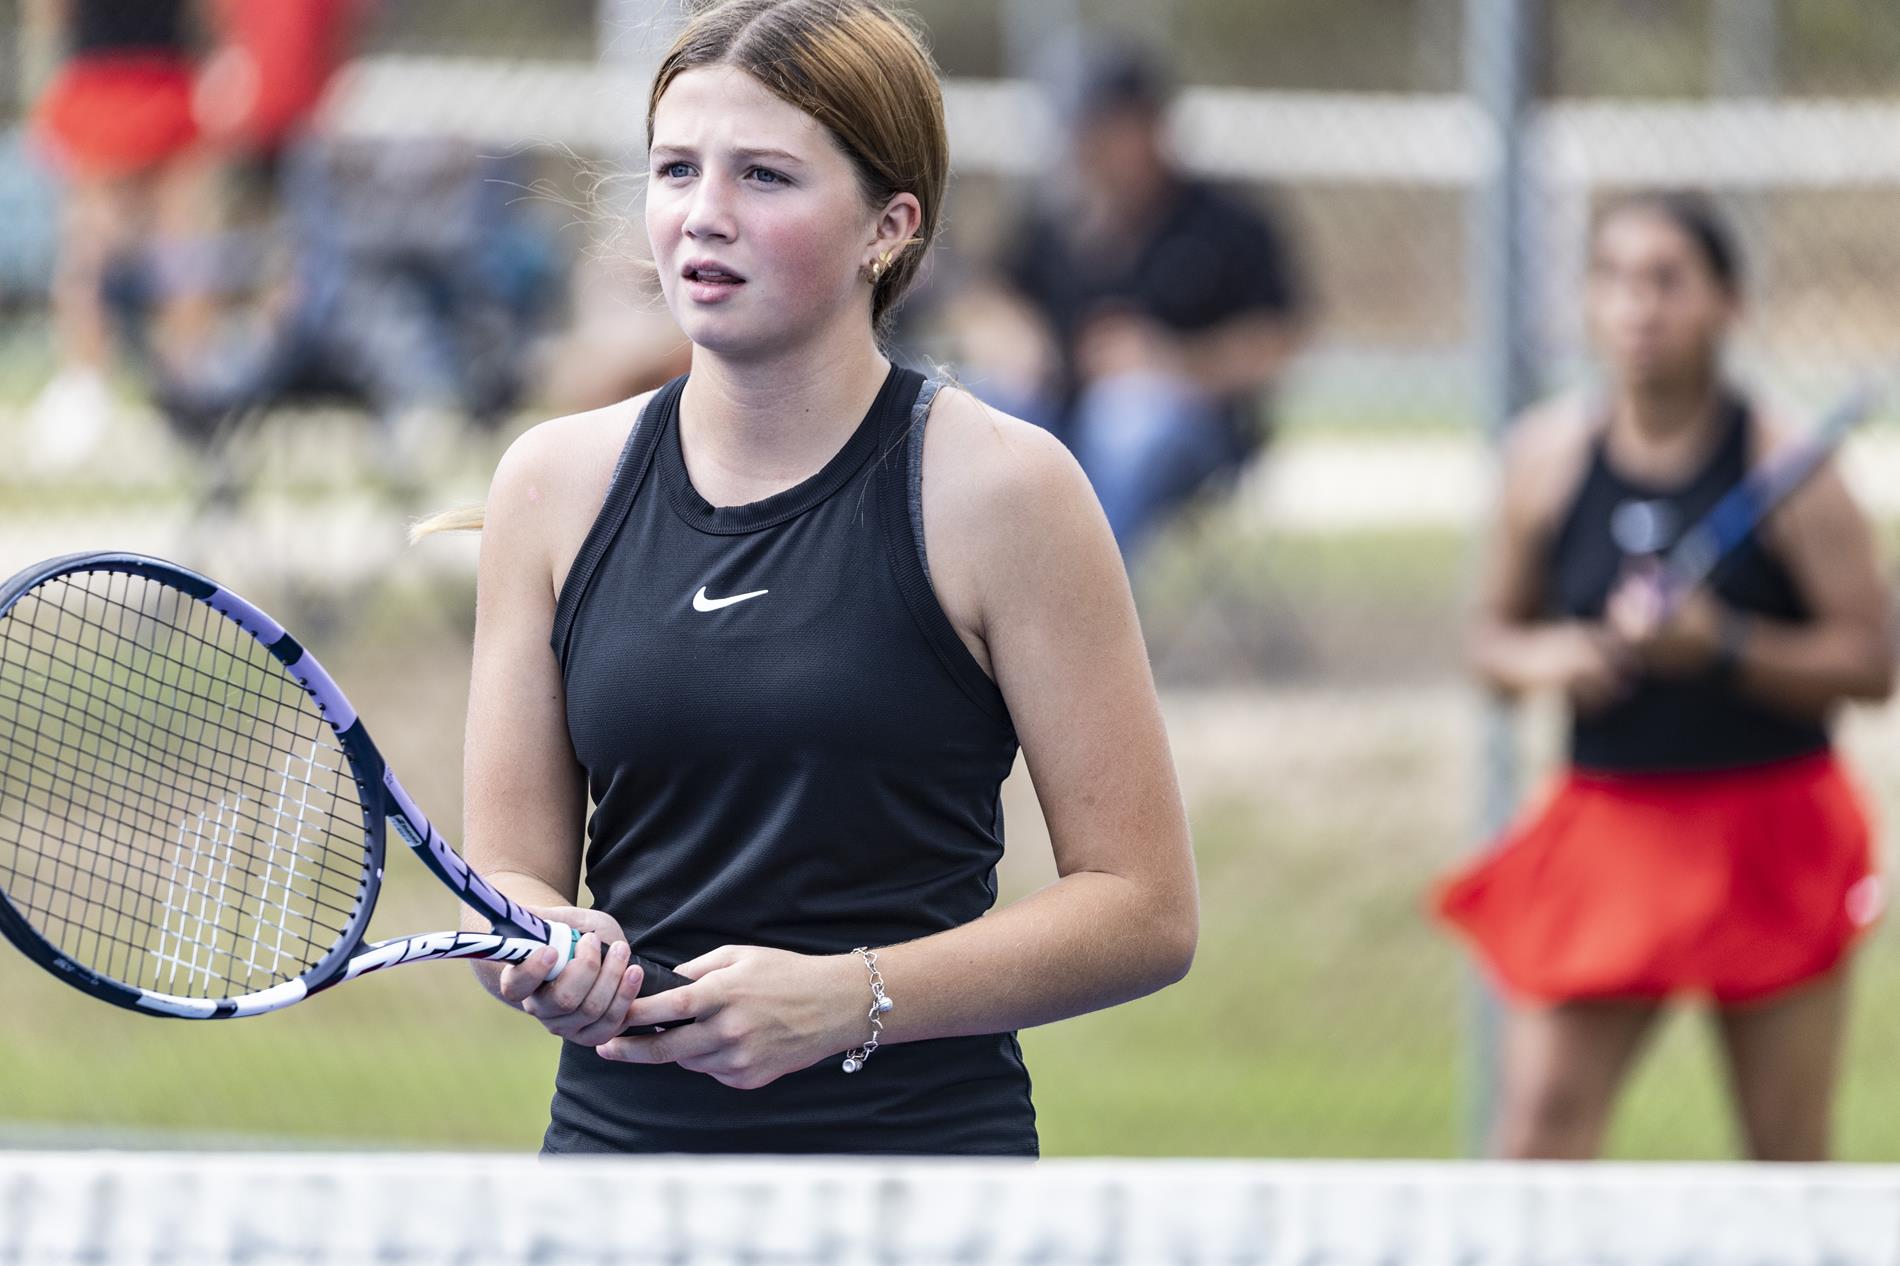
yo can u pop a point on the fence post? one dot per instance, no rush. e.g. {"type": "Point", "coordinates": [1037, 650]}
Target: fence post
{"type": "Point", "coordinates": [1745, 65]}
{"type": "Point", "coordinates": [1502, 42]}
{"type": "Point", "coordinates": [1745, 48]}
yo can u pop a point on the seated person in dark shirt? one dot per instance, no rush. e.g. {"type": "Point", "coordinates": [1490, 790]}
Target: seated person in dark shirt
{"type": "Point", "coordinates": [1143, 315]}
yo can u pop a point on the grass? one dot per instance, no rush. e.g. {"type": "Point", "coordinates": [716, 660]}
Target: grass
{"type": "Point", "coordinates": [1312, 1024]}
{"type": "Point", "coordinates": [1325, 1016]}
{"type": "Point", "coordinates": [1248, 1057]}
{"type": "Point", "coordinates": [1226, 603]}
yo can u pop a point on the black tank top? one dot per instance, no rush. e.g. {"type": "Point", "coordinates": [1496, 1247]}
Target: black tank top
{"type": "Point", "coordinates": [128, 26]}
{"type": "Point", "coordinates": [787, 745]}
{"type": "Point", "coordinates": [1699, 723]}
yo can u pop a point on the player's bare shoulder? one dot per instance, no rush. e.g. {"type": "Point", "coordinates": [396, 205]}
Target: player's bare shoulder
{"type": "Point", "coordinates": [1773, 430]}
{"type": "Point", "coordinates": [573, 454]}
{"type": "Point", "coordinates": [1824, 505]}
{"type": "Point", "coordinates": [1003, 499]}
{"type": "Point", "coordinates": [993, 469]}
{"type": "Point", "coordinates": [550, 484]}
{"type": "Point", "coordinates": [1545, 455]}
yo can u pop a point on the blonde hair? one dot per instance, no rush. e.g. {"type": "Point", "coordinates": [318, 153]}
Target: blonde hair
{"type": "Point", "coordinates": [864, 74]}
{"type": "Point", "coordinates": [466, 518]}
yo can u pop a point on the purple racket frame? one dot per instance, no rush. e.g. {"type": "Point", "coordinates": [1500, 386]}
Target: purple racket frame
{"type": "Point", "coordinates": [516, 933]}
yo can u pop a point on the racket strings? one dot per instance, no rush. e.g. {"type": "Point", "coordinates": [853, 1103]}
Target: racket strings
{"type": "Point", "coordinates": [205, 906]}
{"type": "Point", "coordinates": [175, 813]}
{"type": "Point", "coordinates": [177, 778]}
{"type": "Point", "coordinates": [175, 764]}
{"type": "Point", "coordinates": [340, 900]}
{"type": "Point", "coordinates": [155, 786]}
{"type": "Point", "coordinates": [259, 707]}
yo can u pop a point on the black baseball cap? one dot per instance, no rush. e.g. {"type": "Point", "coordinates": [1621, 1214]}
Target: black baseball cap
{"type": "Point", "coordinates": [1107, 77]}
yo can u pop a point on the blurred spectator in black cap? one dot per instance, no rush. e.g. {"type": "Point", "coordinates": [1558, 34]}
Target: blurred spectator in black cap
{"type": "Point", "coordinates": [1142, 315]}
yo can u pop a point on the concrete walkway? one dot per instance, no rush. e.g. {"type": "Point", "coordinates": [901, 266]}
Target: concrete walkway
{"type": "Point", "coordinates": [1349, 484]}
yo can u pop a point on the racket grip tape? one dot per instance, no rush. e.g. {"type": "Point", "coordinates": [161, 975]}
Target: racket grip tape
{"type": "Point", "coordinates": [657, 979]}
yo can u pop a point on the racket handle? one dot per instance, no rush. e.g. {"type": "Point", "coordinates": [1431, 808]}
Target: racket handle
{"type": "Point", "coordinates": [562, 938]}
{"type": "Point", "coordinates": [656, 979]}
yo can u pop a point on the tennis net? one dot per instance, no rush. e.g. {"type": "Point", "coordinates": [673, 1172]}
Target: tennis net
{"type": "Point", "coordinates": [100, 1209]}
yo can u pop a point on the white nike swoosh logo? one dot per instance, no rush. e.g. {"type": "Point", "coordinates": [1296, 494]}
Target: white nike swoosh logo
{"type": "Point", "coordinates": [702, 603]}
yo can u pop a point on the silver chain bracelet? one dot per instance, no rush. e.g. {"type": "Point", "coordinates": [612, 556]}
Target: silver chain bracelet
{"type": "Point", "coordinates": [881, 1005]}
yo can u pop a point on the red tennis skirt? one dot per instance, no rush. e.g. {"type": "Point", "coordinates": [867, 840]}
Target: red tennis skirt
{"type": "Point", "coordinates": [118, 115]}
{"type": "Point", "coordinates": [1737, 884]}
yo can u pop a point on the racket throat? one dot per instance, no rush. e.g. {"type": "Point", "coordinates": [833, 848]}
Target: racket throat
{"type": "Point", "coordinates": [435, 852]}
{"type": "Point", "coordinates": [484, 946]}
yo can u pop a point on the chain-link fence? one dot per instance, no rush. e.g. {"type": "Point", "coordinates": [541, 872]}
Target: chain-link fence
{"type": "Point", "coordinates": [1304, 617]}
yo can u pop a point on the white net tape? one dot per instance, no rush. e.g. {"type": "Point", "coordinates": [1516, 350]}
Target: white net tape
{"type": "Point", "coordinates": [422, 1210]}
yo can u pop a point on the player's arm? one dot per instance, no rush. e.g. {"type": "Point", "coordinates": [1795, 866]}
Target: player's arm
{"type": "Point", "coordinates": [1511, 647]}
{"type": "Point", "coordinates": [1845, 650]}
{"type": "Point", "coordinates": [525, 795]}
{"type": "Point", "coordinates": [1018, 527]}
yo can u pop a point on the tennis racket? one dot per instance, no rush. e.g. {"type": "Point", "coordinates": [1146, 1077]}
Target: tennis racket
{"type": "Point", "coordinates": [1694, 558]}
{"type": "Point", "coordinates": [192, 816]}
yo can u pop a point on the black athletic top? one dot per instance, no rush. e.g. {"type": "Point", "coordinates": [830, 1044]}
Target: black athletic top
{"type": "Point", "coordinates": [128, 26]}
{"type": "Point", "coordinates": [788, 746]}
{"type": "Point", "coordinates": [1678, 723]}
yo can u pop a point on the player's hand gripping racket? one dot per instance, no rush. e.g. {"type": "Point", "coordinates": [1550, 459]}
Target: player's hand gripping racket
{"type": "Point", "coordinates": [1692, 559]}
{"type": "Point", "coordinates": [192, 818]}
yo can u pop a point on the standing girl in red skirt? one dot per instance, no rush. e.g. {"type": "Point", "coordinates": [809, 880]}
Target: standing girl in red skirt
{"type": "Point", "coordinates": [1704, 839]}
{"type": "Point", "coordinates": [116, 122]}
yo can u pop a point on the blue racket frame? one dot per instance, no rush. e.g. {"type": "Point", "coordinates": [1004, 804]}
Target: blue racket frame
{"type": "Point", "coordinates": [1702, 549]}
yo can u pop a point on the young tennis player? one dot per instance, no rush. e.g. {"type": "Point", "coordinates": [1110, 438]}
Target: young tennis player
{"type": "Point", "coordinates": [1705, 839]}
{"type": "Point", "coordinates": [785, 622]}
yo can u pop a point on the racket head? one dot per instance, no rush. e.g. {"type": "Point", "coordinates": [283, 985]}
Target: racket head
{"type": "Point", "coordinates": [191, 815]}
